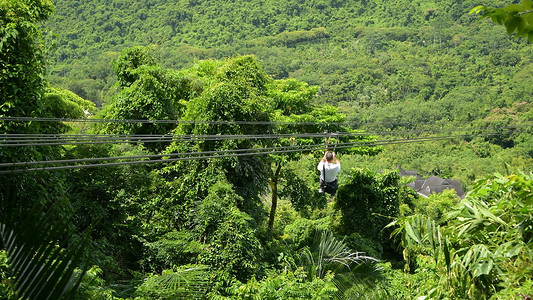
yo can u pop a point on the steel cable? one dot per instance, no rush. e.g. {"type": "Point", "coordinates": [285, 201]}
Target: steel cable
{"type": "Point", "coordinates": [231, 153]}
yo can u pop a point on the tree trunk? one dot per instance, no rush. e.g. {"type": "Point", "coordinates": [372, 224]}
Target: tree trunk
{"type": "Point", "coordinates": [274, 188]}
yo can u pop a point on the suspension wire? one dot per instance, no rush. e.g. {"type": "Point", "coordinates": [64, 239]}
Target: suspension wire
{"type": "Point", "coordinates": [145, 121]}
{"type": "Point", "coordinates": [18, 141]}
{"type": "Point", "coordinates": [11, 140]}
{"type": "Point", "coordinates": [149, 156]}
{"type": "Point", "coordinates": [346, 144]}
{"type": "Point", "coordinates": [137, 141]}
{"type": "Point", "coordinates": [67, 137]}
{"type": "Point", "coordinates": [232, 153]}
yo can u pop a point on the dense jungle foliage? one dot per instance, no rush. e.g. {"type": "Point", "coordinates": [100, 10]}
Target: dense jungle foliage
{"type": "Point", "coordinates": [399, 65]}
{"type": "Point", "coordinates": [421, 84]}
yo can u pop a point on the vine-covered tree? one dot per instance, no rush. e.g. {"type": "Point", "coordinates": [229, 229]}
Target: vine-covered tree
{"type": "Point", "coordinates": [368, 201]}
{"type": "Point", "coordinates": [42, 253]}
{"type": "Point", "coordinates": [146, 92]}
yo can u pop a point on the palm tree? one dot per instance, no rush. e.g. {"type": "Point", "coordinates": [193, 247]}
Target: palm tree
{"type": "Point", "coordinates": [189, 282]}
{"type": "Point", "coordinates": [330, 255]}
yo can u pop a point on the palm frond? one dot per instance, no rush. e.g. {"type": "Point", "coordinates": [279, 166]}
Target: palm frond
{"type": "Point", "coordinates": [329, 254]}
{"type": "Point", "coordinates": [189, 283]}
{"type": "Point", "coordinates": [41, 266]}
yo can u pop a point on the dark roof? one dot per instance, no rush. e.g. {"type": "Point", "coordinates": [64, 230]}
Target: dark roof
{"type": "Point", "coordinates": [434, 181]}
{"type": "Point", "coordinates": [437, 189]}
{"type": "Point", "coordinates": [436, 184]}
{"type": "Point", "coordinates": [408, 172]}
{"type": "Point", "coordinates": [417, 184]}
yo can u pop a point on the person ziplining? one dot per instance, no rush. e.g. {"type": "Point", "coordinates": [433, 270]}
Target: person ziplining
{"type": "Point", "coordinates": [329, 167]}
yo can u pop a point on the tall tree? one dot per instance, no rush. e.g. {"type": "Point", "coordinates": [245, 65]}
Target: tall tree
{"type": "Point", "coordinates": [22, 59]}
{"type": "Point", "coordinates": [232, 92]}
{"type": "Point", "coordinates": [146, 92]}
{"type": "Point", "coordinates": [22, 69]}
{"type": "Point", "coordinates": [218, 198]}
{"type": "Point", "coordinates": [34, 224]}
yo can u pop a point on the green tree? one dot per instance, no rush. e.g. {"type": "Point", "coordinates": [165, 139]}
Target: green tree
{"type": "Point", "coordinates": [368, 201]}
{"type": "Point", "coordinates": [292, 101]}
{"type": "Point", "coordinates": [22, 61]}
{"type": "Point", "coordinates": [114, 201]}
{"type": "Point", "coordinates": [216, 199]}
{"type": "Point", "coordinates": [22, 73]}
{"type": "Point", "coordinates": [146, 92]}
{"type": "Point", "coordinates": [231, 91]}
{"type": "Point", "coordinates": [25, 93]}
{"type": "Point", "coordinates": [36, 230]}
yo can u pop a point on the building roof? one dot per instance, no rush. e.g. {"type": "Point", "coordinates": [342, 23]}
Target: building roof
{"type": "Point", "coordinates": [408, 173]}
{"type": "Point", "coordinates": [435, 184]}
{"type": "Point", "coordinates": [417, 184]}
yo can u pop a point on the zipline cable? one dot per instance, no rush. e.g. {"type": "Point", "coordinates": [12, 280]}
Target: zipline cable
{"type": "Point", "coordinates": [354, 143]}
{"type": "Point", "coordinates": [164, 160]}
{"type": "Point", "coordinates": [17, 141]}
{"type": "Point", "coordinates": [233, 154]}
{"type": "Point", "coordinates": [146, 156]}
{"type": "Point", "coordinates": [145, 121]}
{"type": "Point", "coordinates": [13, 140]}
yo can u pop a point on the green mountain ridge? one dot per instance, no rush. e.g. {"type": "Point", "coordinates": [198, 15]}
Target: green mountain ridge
{"type": "Point", "coordinates": [328, 43]}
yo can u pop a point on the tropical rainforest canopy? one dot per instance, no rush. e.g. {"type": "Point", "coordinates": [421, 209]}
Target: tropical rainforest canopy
{"type": "Point", "coordinates": [168, 149]}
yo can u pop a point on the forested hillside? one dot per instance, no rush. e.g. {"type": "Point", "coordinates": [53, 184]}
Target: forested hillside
{"type": "Point", "coordinates": [365, 53]}
{"type": "Point", "coordinates": [168, 149]}
{"type": "Point", "coordinates": [389, 64]}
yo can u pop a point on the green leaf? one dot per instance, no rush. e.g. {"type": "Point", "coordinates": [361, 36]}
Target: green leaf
{"type": "Point", "coordinates": [512, 24]}
{"type": "Point", "coordinates": [513, 251]}
{"type": "Point", "coordinates": [446, 251]}
{"type": "Point", "coordinates": [528, 4]}
{"type": "Point", "coordinates": [529, 18]}
{"type": "Point", "coordinates": [521, 26]}
{"type": "Point", "coordinates": [430, 231]}
{"type": "Point", "coordinates": [513, 8]}
{"type": "Point", "coordinates": [486, 213]}
{"type": "Point", "coordinates": [410, 232]}
{"type": "Point", "coordinates": [482, 268]}
{"type": "Point", "coordinates": [190, 283]}
{"type": "Point", "coordinates": [42, 270]}
{"type": "Point", "coordinates": [478, 9]}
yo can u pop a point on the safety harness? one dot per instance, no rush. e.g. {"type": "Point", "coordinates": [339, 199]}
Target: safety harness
{"type": "Point", "coordinates": [325, 186]}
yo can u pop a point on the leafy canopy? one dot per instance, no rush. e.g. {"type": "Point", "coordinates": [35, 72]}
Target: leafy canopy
{"type": "Point", "coordinates": [517, 18]}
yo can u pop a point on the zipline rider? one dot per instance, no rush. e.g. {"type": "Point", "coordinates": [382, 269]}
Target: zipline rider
{"type": "Point", "coordinates": [329, 167]}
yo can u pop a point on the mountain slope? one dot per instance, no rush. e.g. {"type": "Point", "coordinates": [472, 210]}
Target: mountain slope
{"type": "Point", "coordinates": [381, 61]}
